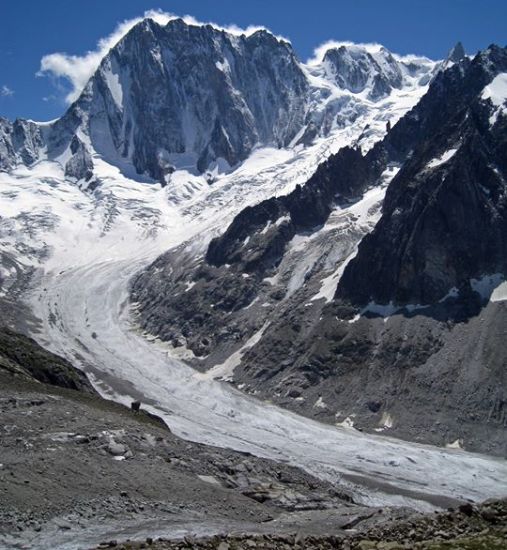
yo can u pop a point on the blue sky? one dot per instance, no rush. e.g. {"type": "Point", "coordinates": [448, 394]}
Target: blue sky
{"type": "Point", "coordinates": [30, 29]}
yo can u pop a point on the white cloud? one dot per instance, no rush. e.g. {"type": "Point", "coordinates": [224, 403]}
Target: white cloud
{"type": "Point", "coordinates": [77, 69]}
{"type": "Point", "coordinates": [5, 91]}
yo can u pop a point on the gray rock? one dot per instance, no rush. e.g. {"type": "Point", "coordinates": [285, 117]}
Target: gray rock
{"type": "Point", "coordinates": [190, 95]}
{"type": "Point", "coordinates": [20, 142]}
{"type": "Point", "coordinates": [80, 165]}
{"type": "Point", "coordinates": [116, 449]}
{"type": "Point", "coordinates": [170, 104]}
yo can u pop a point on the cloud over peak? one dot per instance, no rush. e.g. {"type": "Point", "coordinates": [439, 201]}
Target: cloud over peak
{"type": "Point", "coordinates": [77, 69]}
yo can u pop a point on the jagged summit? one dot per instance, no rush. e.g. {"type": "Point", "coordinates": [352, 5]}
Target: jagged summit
{"type": "Point", "coordinates": [457, 53]}
{"type": "Point", "coordinates": [186, 94]}
{"type": "Point", "coordinates": [370, 67]}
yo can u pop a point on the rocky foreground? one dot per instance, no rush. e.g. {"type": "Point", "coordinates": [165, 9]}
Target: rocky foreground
{"type": "Point", "coordinates": [76, 469]}
{"type": "Point", "coordinates": [469, 527]}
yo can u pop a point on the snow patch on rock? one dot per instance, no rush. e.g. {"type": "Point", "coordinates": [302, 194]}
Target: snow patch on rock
{"type": "Point", "coordinates": [496, 92]}
{"type": "Point", "coordinates": [491, 287]}
{"type": "Point", "coordinates": [225, 370]}
{"type": "Point", "coordinates": [443, 158]}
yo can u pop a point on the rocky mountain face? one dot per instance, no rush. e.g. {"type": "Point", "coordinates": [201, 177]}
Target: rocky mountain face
{"type": "Point", "coordinates": [193, 97]}
{"type": "Point", "coordinates": [185, 95]}
{"type": "Point", "coordinates": [20, 142]}
{"type": "Point", "coordinates": [273, 223]}
{"type": "Point", "coordinates": [455, 55]}
{"type": "Point", "coordinates": [445, 215]}
{"type": "Point", "coordinates": [351, 78]}
{"type": "Point", "coordinates": [397, 335]}
{"type": "Point", "coordinates": [176, 96]}
{"type": "Point", "coordinates": [356, 69]}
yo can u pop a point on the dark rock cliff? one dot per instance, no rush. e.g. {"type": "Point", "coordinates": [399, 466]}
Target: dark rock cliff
{"type": "Point", "coordinates": [444, 217]}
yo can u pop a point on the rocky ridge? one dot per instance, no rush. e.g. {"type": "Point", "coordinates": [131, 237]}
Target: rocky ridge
{"type": "Point", "coordinates": [444, 215]}
{"type": "Point", "coordinates": [23, 358]}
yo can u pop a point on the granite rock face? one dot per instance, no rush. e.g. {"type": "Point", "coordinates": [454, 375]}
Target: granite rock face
{"type": "Point", "coordinates": [185, 94]}
{"type": "Point", "coordinates": [344, 176]}
{"type": "Point", "coordinates": [174, 96]}
{"type": "Point", "coordinates": [20, 142]}
{"type": "Point", "coordinates": [457, 53]}
{"type": "Point", "coordinates": [80, 164]}
{"type": "Point", "coordinates": [445, 215]}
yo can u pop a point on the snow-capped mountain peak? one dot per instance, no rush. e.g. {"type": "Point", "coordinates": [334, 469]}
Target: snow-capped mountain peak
{"type": "Point", "coordinates": [456, 55]}
{"type": "Point", "coordinates": [184, 96]}
{"type": "Point", "coordinates": [356, 69]}
{"type": "Point", "coordinates": [179, 95]}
